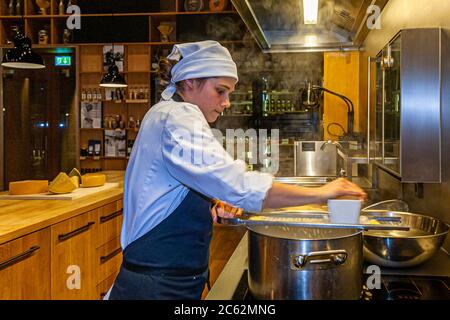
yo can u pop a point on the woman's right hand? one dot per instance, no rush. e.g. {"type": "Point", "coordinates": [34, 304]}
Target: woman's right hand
{"type": "Point", "coordinates": [341, 188]}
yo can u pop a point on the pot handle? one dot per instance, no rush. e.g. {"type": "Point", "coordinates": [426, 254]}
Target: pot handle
{"type": "Point", "coordinates": [337, 257]}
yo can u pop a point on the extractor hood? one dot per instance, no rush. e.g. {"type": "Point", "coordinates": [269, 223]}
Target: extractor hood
{"type": "Point", "coordinates": [286, 25]}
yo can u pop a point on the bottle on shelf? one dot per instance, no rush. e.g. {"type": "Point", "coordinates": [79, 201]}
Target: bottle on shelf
{"type": "Point", "coordinates": [131, 123]}
{"type": "Point", "coordinates": [88, 95]}
{"type": "Point", "coordinates": [61, 9]}
{"type": "Point", "coordinates": [94, 95]}
{"type": "Point", "coordinates": [18, 7]}
{"type": "Point", "coordinates": [83, 95]}
{"type": "Point", "coordinates": [11, 7]}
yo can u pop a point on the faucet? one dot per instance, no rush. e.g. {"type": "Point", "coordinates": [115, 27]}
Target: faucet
{"type": "Point", "coordinates": [337, 144]}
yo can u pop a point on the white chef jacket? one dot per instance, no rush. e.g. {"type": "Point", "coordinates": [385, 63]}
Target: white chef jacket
{"type": "Point", "coordinates": [176, 151]}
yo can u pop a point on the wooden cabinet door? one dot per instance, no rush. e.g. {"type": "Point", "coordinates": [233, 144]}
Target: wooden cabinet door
{"type": "Point", "coordinates": [25, 267]}
{"type": "Point", "coordinates": [108, 260]}
{"type": "Point", "coordinates": [108, 249]}
{"type": "Point", "coordinates": [109, 222]}
{"type": "Point", "coordinates": [73, 254]}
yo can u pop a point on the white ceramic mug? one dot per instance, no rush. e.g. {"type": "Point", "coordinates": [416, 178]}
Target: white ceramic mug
{"type": "Point", "coordinates": [344, 211]}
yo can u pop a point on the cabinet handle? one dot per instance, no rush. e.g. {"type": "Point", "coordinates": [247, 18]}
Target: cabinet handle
{"type": "Point", "coordinates": [18, 258]}
{"type": "Point", "coordinates": [103, 219]}
{"type": "Point", "coordinates": [103, 259]}
{"type": "Point", "coordinates": [63, 237]}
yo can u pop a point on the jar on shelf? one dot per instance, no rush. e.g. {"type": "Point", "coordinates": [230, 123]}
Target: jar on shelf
{"type": "Point", "coordinates": [43, 36]}
{"type": "Point", "coordinates": [67, 36]}
{"type": "Point", "coordinates": [131, 123]}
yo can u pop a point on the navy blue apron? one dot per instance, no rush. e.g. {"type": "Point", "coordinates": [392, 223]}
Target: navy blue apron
{"type": "Point", "coordinates": [171, 260]}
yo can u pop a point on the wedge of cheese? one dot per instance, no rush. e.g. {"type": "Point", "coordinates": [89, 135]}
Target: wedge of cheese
{"type": "Point", "coordinates": [62, 184]}
{"type": "Point", "coordinates": [75, 180]}
{"type": "Point", "coordinates": [77, 174]}
{"type": "Point", "coordinates": [28, 187]}
{"type": "Point", "coordinates": [93, 180]}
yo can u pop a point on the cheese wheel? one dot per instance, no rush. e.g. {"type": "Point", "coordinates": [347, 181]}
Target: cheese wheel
{"type": "Point", "coordinates": [28, 187]}
{"type": "Point", "coordinates": [62, 184]}
{"type": "Point", "coordinates": [93, 180]}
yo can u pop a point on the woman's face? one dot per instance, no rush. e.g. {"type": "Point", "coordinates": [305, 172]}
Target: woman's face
{"type": "Point", "coordinates": [212, 96]}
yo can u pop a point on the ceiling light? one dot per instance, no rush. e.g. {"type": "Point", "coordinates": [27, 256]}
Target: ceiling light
{"type": "Point", "coordinates": [310, 11]}
{"type": "Point", "coordinates": [113, 79]}
{"type": "Point", "coordinates": [21, 56]}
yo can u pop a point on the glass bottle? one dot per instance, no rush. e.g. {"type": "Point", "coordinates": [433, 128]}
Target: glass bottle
{"type": "Point", "coordinates": [88, 95]}
{"type": "Point", "coordinates": [18, 7]}
{"type": "Point", "coordinates": [61, 10]}
{"type": "Point", "coordinates": [83, 95]}
{"type": "Point", "coordinates": [11, 8]}
{"type": "Point", "coordinates": [67, 36]}
{"type": "Point", "coordinates": [141, 93]}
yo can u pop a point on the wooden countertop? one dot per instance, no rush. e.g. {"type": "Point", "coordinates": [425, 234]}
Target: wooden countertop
{"type": "Point", "coordinates": [21, 217]}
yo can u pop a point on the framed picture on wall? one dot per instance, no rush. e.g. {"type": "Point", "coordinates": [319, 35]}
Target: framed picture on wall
{"type": "Point", "coordinates": [115, 143]}
{"type": "Point", "coordinates": [115, 53]}
{"type": "Point", "coordinates": [91, 114]}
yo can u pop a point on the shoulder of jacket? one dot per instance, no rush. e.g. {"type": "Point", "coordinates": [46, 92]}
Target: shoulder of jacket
{"type": "Point", "coordinates": [182, 110]}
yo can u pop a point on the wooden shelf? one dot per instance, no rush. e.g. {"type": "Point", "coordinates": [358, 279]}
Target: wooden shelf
{"type": "Point", "coordinates": [103, 129]}
{"type": "Point", "coordinates": [113, 158]}
{"type": "Point", "coordinates": [137, 101]}
{"type": "Point", "coordinates": [134, 14]}
{"type": "Point", "coordinates": [102, 158]}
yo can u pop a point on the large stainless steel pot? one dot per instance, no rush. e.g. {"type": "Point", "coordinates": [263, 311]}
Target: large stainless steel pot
{"type": "Point", "coordinates": [400, 249]}
{"type": "Point", "coordinates": [305, 263]}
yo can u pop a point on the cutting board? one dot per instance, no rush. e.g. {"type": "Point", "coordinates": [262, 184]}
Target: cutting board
{"type": "Point", "coordinates": [76, 194]}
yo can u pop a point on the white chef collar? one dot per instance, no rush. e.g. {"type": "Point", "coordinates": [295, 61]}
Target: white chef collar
{"type": "Point", "coordinates": [200, 60]}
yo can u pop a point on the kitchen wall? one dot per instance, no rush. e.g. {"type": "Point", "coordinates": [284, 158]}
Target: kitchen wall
{"type": "Point", "coordinates": [398, 15]}
{"type": "Point", "coordinates": [402, 14]}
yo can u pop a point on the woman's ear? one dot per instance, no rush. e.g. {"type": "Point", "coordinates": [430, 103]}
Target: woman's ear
{"type": "Point", "coordinates": [190, 84]}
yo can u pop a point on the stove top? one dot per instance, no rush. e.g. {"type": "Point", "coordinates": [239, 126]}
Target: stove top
{"type": "Point", "coordinates": [394, 287]}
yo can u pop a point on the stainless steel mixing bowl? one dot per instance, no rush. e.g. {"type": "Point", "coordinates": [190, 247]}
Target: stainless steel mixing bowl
{"type": "Point", "coordinates": [399, 249]}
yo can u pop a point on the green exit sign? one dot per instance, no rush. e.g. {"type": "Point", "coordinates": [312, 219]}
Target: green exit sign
{"type": "Point", "coordinates": [63, 61]}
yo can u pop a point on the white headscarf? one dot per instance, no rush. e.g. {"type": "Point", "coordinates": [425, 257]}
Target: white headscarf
{"type": "Point", "coordinates": [200, 60]}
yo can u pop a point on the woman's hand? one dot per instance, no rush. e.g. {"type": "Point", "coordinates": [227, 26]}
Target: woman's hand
{"type": "Point", "coordinates": [224, 210]}
{"type": "Point", "coordinates": [341, 188]}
